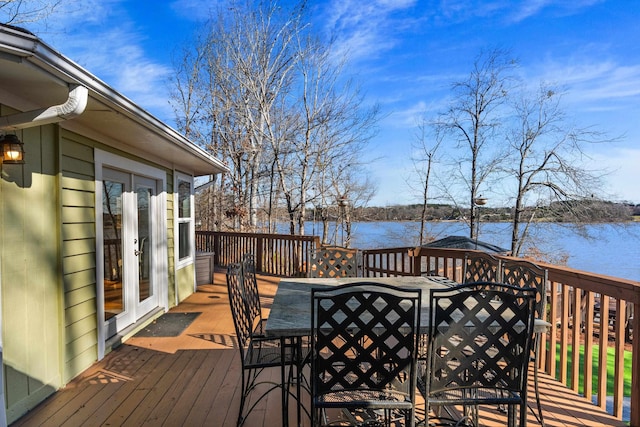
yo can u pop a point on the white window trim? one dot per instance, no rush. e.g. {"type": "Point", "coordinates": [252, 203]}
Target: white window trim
{"type": "Point", "coordinates": [189, 259]}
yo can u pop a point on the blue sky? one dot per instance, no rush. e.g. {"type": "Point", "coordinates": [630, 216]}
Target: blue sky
{"type": "Point", "coordinates": [405, 53]}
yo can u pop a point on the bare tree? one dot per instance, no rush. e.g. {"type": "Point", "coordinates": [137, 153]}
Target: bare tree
{"type": "Point", "coordinates": [354, 190]}
{"type": "Point", "coordinates": [427, 142]}
{"type": "Point", "coordinates": [334, 126]}
{"type": "Point", "coordinates": [237, 71]}
{"type": "Point", "coordinates": [188, 91]}
{"type": "Point", "coordinates": [261, 92]}
{"type": "Point", "coordinates": [545, 160]}
{"type": "Point", "coordinates": [19, 12]}
{"type": "Point", "coordinates": [473, 121]}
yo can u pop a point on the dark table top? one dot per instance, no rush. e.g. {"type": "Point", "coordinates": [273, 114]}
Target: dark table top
{"type": "Point", "coordinates": [290, 313]}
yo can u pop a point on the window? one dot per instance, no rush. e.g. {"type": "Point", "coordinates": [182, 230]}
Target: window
{"type": "Point", "coordinates": [185, 219]}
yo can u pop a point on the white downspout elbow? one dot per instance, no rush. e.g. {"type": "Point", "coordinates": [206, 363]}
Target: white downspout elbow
{"type": "Point", "coordinates": [73, 107]}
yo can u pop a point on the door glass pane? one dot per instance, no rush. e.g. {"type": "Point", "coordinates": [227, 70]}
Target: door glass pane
{"type": "Point", "coordinates": [112, 232]}
{"type": "Point", "coordinates": [144, 242]}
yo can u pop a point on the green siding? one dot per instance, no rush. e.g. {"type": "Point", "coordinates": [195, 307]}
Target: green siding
{"type": "Point", "coordinates": [78, 253]}
{"type": "Point", "coordinates": [185, 280]}
{"type": "Point", "coordinates": [29, 254]}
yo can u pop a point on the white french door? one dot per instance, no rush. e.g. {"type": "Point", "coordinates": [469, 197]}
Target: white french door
{"type": "Point", "coordinates": [129, 233]}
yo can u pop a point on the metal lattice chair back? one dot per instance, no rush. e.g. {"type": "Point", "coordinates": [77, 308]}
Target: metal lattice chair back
{"type": "Point", "coordinates": [481, 267]}
{"type": "Point", "coordinates": [251, 294]}
{"type": "Point", "coordinates": [364, 348]}
{"type": "Point", "coordinates": [239, 312]}
{"type": "Point", "coordinates": [256, 351]}
{"type": "Point", "coordinates": [329, 262]}
{"type": "Point", "coordinates": [480, 338]}
{"type": "Point", "coordinates": [525, 274]}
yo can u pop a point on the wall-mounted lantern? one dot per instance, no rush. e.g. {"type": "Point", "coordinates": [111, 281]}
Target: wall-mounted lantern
{"type": "Point", "coordinates": [12, 149]}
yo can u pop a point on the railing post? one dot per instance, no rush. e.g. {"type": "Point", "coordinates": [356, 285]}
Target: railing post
{"type": "Point", "coordinates": [417, 262]}
{"type": "Point", "coordinates": [216, 248]}
{"type": "Point", "coordinates": [259, 253]}
{"type": "Point", "coordinates": [634, 419]}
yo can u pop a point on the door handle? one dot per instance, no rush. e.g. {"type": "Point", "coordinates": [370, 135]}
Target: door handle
{"type": "Point", "coordinates": [137, 252]}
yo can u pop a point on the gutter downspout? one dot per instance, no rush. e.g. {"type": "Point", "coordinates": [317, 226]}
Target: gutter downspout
{"type": "Point", "coordinates": [73, 107]}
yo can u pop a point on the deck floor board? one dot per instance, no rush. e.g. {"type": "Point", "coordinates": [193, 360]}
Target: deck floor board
{"type": "Point", "coordinates": [194, 380]}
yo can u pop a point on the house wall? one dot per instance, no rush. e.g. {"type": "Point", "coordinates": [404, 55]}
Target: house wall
{"type": "Point", "coordinates": [185, 279]}
{"type": "Point", "coordinates": [78, 239]}
{"type": "Point", "coordinates": [30, 268]}
{"type": "Point", "coordinates": [48, 263]}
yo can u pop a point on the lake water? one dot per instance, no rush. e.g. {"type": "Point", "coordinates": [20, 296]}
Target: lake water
{"type": "Point", "coordinates": [610, 249]}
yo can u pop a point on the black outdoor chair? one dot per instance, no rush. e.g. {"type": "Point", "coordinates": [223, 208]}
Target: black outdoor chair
{"type": "Point", "coordinates": [481, 267]}
{"type": "Point", "coordinates": [480, 338]}
{"type": "Point", "coordinates": [251, 294]}
{"type": "Point", "coordinates": [332, 261]}
{"type": "Point", "coordinates": [363, 347]}
{"type": "Point", "coordinates": [526, 274]}
{"type": "Point", "coordinates": [256, 351]}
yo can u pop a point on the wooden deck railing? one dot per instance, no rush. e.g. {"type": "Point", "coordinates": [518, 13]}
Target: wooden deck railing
{"type": "Point", "coordinates": [278, 254]}
{"type": "Point", "coordinates": [572, 300]}
{"type": "Point", "coordinates": [572, 312]}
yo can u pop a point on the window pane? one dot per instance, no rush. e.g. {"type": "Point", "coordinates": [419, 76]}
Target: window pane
{"type": "Point", "coordinates": [112, 193]}
{"type": "Point", "coordinates": [184, 199]}
{"type": "Point", "coordinates": [184, 247]}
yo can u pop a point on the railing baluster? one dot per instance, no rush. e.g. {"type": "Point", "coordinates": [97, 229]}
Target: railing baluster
{"type": "Point", "coordinates": [575, 341]}
{"type": "Point", "coordinates": [635, 367]}
{"type": "Point", "coordinates": [564, 334]}
{"type": "Point", "coordinates": [588, 345]}
{"type": "Point", "coordinates": [618, 378]}
{"type": "Point", "coordinates": [553, 333]}
{"type": "Point", "coordinates": [604, 343]}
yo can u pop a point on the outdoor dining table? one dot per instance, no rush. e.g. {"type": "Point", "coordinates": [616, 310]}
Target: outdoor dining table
{"type": "Point", "coordinates": [290, 314]}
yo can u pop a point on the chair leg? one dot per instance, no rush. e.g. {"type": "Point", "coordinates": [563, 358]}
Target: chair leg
{"type": "Point", "coordinates": [511, 415]}
{"type": "Point", "coordinates": [243, 395]}
{"type": "Point", "coordinates": [536, 351]}
{"type": "Point", "coordinates": [537, 391]}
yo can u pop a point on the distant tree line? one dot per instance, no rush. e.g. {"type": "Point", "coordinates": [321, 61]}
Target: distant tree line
{"type": "Point", "coordinates": [598, 212]}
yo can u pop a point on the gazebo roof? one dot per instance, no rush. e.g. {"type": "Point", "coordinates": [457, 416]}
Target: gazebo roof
{"type": "Point", "coordinates": [462, 242]}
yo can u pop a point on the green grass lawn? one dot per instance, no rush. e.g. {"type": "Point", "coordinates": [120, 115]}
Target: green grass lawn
{"type": "Point", "coordinates": [610, 369]}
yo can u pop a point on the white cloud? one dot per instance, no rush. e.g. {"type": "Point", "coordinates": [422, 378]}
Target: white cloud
{"type": "Point", "coordinates": [509, 11]}
{"type": "Point", "coordinates": [605, 93]}
{"type": "Point", "coordinates": [194, 10]}
{"type": "Point", "coordinates": [365, 29]}
{"type": "Point", "coordinates": [624, 175]}
{"type": "Point", "coordinates": [101, 37]}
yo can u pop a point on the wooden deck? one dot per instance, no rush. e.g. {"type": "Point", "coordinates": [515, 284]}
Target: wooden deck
{"type": "Point", "coordinates": [193, 380]}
